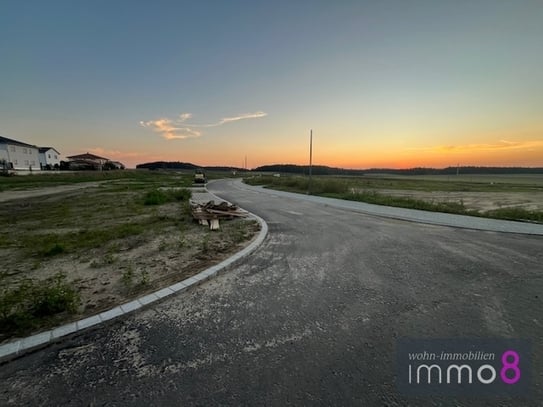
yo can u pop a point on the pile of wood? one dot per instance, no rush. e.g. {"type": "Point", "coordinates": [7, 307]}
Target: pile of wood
{"type": "Point", "coordinates": [210, 213]}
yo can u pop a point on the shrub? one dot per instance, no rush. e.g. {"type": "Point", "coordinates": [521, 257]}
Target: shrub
{"type": "Point", "coordinates": [54, 250]}
{"type": "Point", "coordinates": [24, 307]}
{"type": "Point", "coordinates": [155, 197]}
{"type": "Point", "coordinates": [183, 194]}
{"type": "Point", "coordinates": [53, 297]}
{"type": "Point", "coordinates": [516, 214]}
{"type": "Point", "coordinates": [159, 196]}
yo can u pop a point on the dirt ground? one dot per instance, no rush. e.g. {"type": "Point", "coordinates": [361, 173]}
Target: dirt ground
{"type": "Point", "coordinates": [166, 247]}
{"type": "Point", "coordinates": [481, 201]}
{"type": "Point", "coordinates": [39, 192]}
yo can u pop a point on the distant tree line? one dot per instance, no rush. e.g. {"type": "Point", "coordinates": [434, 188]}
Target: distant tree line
{"type": "Point", "coordinates": [167, 165]}
{"type": "Point", "coordinates": [304, 169]}
{"type": "Point", "coordinates": [325, 170]}
{"type": "Point", "coordinates": [177, 165]}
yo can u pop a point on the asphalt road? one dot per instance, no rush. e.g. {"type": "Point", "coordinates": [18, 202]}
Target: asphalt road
{"type": "Point", "coordinates": [311, 318]}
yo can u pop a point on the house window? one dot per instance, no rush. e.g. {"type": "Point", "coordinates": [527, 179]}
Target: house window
{"type": "Point", "coordinates": [33, 162]}
{"type": "Point", "coordinates": [15, 162]}
{"type": "Point", "coordinates": [56, 157]}
{"type": "Point", "coordinates": [12, 149]}
{"type": "Point", "coordinates": [24, 150]}
{"type": "Point", "coordinates": [49, 155]}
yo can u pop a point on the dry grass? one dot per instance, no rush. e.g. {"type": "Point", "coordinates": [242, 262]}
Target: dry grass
{"type": "Point", "coordinates": [109, 242]}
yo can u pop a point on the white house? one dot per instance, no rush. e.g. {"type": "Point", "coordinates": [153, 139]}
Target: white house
{"type": "Point", "coordinates": [19, 155]}
{"type": "Point", "coordinates": [49, 158]}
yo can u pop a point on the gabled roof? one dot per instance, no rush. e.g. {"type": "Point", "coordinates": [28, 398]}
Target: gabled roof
{"type": "Point", "coordinates": [45, 149]}
{"type": "Point", "coordinates": [86, 156]}
{"type": "Point", "coordinates": [15, 142]}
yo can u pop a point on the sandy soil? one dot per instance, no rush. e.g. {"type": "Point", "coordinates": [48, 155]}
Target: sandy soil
{"type": "Point", "coordinates": [31, 193]}
{"type": "Point", "coordinates": [121, 269]}
{"type": "Point", "coordinates": [481, 201]}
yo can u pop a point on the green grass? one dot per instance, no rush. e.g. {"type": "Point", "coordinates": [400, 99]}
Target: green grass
{"type": "Point", "coordinates": [162, 196]}
{"type": "Point", "coordinates": [516, 213]}
{"type": "Point", "coordinates": [52, 244]}
{"type": "Point", "coordinates": [93, 217]}
{"type": "Point", "coordinates": [445, 183]}
{"type": "Point", "coordinates": [366, 189]}
{"type": "Point", "coordinates": [31, 303]}
{"type": "Point", "coordinates": [122, 179]}
{"type": "Point", "coordinates": [95, 227]}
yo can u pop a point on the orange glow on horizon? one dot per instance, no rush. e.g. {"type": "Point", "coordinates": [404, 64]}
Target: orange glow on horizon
{"type": "Point", "coordinates": [479, 151]}
{"type": "Point", "coordinates": [398, 161]}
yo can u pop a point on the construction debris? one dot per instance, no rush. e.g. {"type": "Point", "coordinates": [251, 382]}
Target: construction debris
{"type": "Point", "coordinates": [210, 213]}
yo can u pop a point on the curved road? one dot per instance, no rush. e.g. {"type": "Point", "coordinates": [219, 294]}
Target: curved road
{"type": "Point", "coordinates": [311, 318]}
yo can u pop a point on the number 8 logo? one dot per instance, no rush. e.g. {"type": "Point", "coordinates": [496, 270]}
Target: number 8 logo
{"type": "Point", "coordinates": [507, 366]}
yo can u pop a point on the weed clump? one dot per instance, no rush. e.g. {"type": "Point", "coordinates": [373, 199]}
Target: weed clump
{"type": "Point", "coordinates": [161, 196]}
{"type": "Point", "coordinates": [27, 305]}
{"type": "Point", "coordinates": [516, 214]}
{"type": "Point", "coordinates": [155, 197]}
{"type": "Point", "coordinates": [54, 250]}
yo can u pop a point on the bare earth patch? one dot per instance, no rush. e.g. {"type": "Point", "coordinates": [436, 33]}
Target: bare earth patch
{"type": "Point", "coordinates": [480, 201]}
{"type": "Point", "coordinates": [109, 244]}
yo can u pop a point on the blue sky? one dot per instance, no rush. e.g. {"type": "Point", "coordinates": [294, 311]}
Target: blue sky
{"type": "Point", "coordinates": [382, 83]}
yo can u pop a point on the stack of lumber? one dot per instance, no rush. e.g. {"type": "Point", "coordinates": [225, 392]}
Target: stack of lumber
{"type": "Point", "coordinates": [210, 213]}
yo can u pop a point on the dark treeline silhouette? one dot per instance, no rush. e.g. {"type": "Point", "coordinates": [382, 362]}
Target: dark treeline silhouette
{"type": "Point", "coordinates": [325, 170]}
{"type": "Point", "coordinates": [304, 169]}
{"type": "Point", "coordinates": [176, 165]}
{"type": "Point", "coordinates": [167, 165]}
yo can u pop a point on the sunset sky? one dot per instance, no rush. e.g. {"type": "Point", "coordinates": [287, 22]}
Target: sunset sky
{"type": "Point", "coordinates": [382, 83]}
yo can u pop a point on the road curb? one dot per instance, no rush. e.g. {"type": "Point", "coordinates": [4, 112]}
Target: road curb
{"type": "Point", "coordinates": [414, 215]}
{"type": "Point", "coordinates": [19, 347]}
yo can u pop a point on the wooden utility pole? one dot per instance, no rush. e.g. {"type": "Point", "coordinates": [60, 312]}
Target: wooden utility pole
{"type": "Point", "coordinates": [310, 160]}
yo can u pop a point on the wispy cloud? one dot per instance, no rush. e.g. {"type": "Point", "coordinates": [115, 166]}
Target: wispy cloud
{"type": "Point", "coordinates": [180, 129]}
{"type": "Point", "coordinates": [171, 130]}
{"type": "Point", "coordinates": [244, 116]}
{"type": "Point", "coordinates": [114, 154]}
{"type": "Point", "coordinates": [501, 145]}
{"type": "Point", "coordinates": [185, 116]}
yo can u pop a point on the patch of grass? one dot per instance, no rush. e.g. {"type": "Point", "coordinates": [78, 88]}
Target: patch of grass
{"type": "Point", "coordinates": [155, 197]}
{"type": "Point", "coordinates": [54, 250]}
{"type": "Point", "coordinates": [162, 196]}
{"type": "Point", "coordinates": [376, 198]}
{"type": "Point", "coordinates": [127, 276]}
{"type": "Point", "coordinates": [127, 179]}
{"type": "Point", "coordinates": [516, 214]}
{"type": "Point", "coordinates": [144, 278]}
{"type": "Point", "coordinates": [33, 303]}
{"type": "Point", "coordinates": [109, 258]}
{"type": "Point", "coordinates": [182, 194]}
{"type": "Point", "coordinates": [332, 184]}
{"type": "Point", "coordinates": [239, 232]}
{"type": "Point", "coordinates": [204, 246]}
{"type": "Point", "coordinates": [162, 246]}
{"type": "Point", "coordinates": [128, 279]}
{"type": "Point", "coordinates": [352, 188]}
{"type": "Point", "coordinates": [51, 244]}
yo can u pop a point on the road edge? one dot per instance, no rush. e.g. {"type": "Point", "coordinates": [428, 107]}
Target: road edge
{"type": "Point", "coordinates": [413, 215]}
{"type": "Point", "coordinates": [18, 348]}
